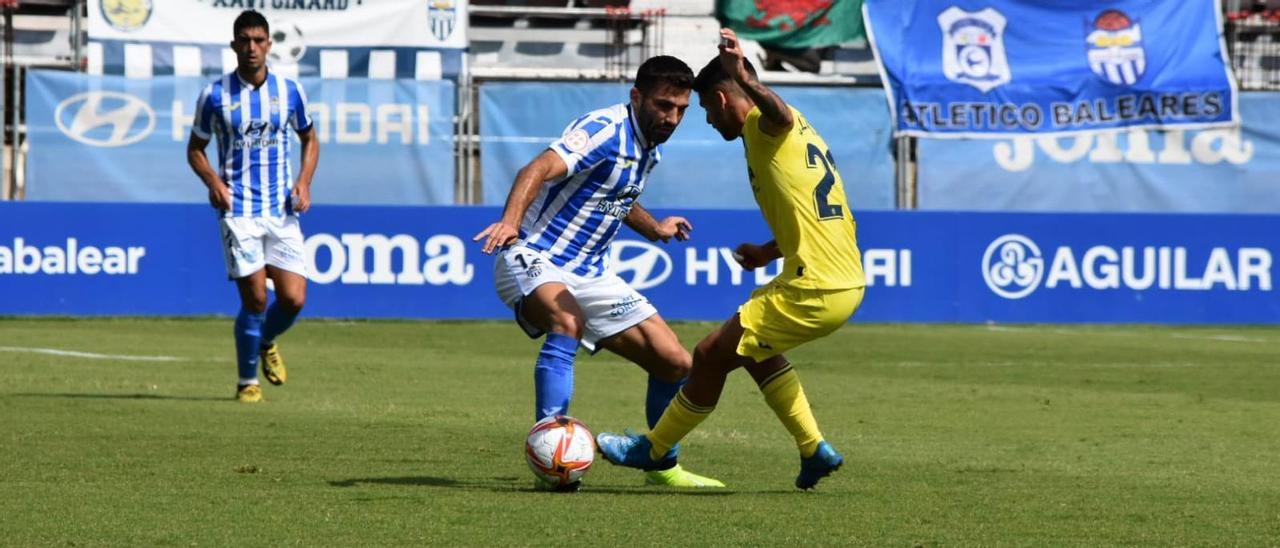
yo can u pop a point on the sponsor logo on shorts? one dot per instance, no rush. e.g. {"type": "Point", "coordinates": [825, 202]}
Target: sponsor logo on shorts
{"type": "Point", "coordinates": [288, 251]}
{"type": "Point", "coordinates": [624, 306]}
{"type": "Point", "coordinates": [246, 255]}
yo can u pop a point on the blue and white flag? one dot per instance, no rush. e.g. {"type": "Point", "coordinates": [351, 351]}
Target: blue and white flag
{"type": "Point", "coordinates": [332, 39]}
{"type": "Point", "coordinates": [993, 68]}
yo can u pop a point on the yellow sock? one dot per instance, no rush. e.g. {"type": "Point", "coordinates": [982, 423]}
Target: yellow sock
{"type": "Point", "coordinates": [785, 396]}
{"type": "Point", "coordinates": [680, 418]}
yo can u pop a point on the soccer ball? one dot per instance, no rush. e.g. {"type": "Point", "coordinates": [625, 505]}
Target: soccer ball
{"type": "Point", "coordinates": [287, 46]}
{"type": "Point", "coordinates": [559, 450]}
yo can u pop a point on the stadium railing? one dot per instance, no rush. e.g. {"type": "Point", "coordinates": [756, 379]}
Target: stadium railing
{"type": "Point", "coordinates": [550, 40]}
{"type": "Point", "coordinates": [1253, 44]}
{"type": "Point", "coordinates": [36, 33]}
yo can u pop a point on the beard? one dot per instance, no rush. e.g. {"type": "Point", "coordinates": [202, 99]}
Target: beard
{"type": "Point", "coordinates": [659, 135]}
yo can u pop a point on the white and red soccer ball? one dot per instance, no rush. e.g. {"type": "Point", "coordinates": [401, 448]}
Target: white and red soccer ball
{"type": "Point", "coordinates": [559, 450]}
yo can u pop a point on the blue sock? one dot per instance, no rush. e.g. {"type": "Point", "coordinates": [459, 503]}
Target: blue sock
{"type": "Point", "coordinates": [553, 376]}
{"type": "Point", "coordinates": [279, 320]}
{"type": "Point", "coordinates": [658, 398]}
{"type": "Point", "coordinates": [656, 401]}
{"type": "Point", "coordinates": [248, 333]}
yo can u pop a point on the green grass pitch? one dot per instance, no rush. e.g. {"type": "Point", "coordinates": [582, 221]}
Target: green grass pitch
{"type": "Point", "coordinates": [410, 433]}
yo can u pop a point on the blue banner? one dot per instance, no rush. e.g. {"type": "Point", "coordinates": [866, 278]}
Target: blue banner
{"type": "Point", "coordinates": [1001, 67]}
{"type": "Point", "coordinates": [1230, 170]}
{"type": "Point", "coordinates": [420, 262]}
{"type": "Point", "coordinates": [698, 169]}
{"type": "Point", "coordinates": [382, 141]}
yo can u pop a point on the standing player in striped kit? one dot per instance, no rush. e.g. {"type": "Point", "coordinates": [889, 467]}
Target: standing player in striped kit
{"type": "Point", "coordinates": [251, 111]}
{"type": "Point", "coordinates": [552, 265]}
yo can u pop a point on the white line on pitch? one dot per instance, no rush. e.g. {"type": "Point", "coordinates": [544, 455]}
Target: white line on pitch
{"type": "Point", "coordinates": [1227, 338]}
{"type": "Point", "coordinates": [1121, 333]}
{"type": "Point", "coordinates": [89, 355]}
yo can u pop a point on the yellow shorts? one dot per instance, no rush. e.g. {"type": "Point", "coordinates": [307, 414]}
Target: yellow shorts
{"type": "Point", "coordinates": [779, 317]}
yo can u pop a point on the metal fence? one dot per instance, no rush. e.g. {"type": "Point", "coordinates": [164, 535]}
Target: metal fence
{"type": "Point", "coordinates": [1253, 44]}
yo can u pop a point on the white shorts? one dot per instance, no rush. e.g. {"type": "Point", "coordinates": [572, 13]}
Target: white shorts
{"type": "Point", "coordinates": [251, 243]}
{"type": "Point", "coordinates": [609, 304]}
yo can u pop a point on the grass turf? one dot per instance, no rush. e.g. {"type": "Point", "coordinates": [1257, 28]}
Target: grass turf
{"type": "Point", "coordinates": [411, 433]}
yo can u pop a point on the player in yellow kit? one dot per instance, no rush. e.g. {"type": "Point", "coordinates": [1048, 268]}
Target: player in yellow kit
{"type": "Point", "coordinates": [802, 198]}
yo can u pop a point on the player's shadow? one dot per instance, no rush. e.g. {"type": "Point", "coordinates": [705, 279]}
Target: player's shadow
{"type": "Point", "coordinates": [156, 397]}
{"type": "Point", "coordinates": [514, 485]}
{"type": "Point", "coordinates": [426, 481]}
{"type": "Point", "coordinates": [642, 491]}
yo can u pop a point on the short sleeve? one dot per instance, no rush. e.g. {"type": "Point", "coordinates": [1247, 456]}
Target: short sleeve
{"type": "Point", "coordinates": [205, 114]}
{"type": "Point", "coordinates": [751, 128]}
{"type": "Point", "coordinates": [585, 143]}
{"type": "Point", "coordinates": [299, 118]}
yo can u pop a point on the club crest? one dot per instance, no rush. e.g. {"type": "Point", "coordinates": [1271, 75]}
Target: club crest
{"type": "Point", "coordinates": [973, 47]}
{"type": "Point", "coordinates": [442, 15]}
{"type": "Point", "coordinates": [126, 15]}
{"type": "Point", "coordinates": [1114, 46]}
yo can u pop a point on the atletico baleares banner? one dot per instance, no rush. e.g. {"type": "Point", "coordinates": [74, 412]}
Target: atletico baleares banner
{"type": "Point", "coordinates": [980, 68]}
{"type": "Point", "coordinates": [795, 24]}
{"type": "Point", "coordinates": [375, 38]}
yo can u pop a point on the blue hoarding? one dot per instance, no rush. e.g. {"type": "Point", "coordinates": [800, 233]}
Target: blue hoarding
{"type": "Point", "coordinates": [419, 262]}
{"type": "Point", "coordinates": [1233, 170]}
{"type": "Point", "coordinates": [992, 67]}
{"type": "Point", "coordinates": [698, 169]}
{"type": "Point", "coordinates": [110, 138]}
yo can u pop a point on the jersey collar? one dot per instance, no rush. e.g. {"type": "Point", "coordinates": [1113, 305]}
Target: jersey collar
{"type": "Point", "coordinates": [635, 128]}
{"type": "Point", "coordinates": [245, 84]}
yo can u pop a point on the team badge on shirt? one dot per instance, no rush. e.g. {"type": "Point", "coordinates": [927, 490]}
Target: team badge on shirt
{"type": "Point", "coordinates": [577, 140]}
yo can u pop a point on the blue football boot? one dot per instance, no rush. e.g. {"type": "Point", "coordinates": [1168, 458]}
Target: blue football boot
{"type": "Point", "coordinates": [632, 450]}
{"type": "Point", "coordinates": [823, 462]}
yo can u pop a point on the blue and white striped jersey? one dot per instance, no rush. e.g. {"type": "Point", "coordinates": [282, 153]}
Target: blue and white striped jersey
{"type": "Point", "coordinates": [252, 126]}
{"type": "Point", "coordinates": [576, 218]}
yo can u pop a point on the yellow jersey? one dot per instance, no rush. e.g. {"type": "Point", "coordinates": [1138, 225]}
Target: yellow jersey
{"type": "Point", "coordinates": [800, 193]}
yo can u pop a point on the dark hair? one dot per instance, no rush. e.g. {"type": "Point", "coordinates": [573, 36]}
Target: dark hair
{"type": "Point", "coordinates": [663, 69]}
{"type": "Point", "coordinates": [249, 19]}
{"type": "Point", "coordinates": [713, 75]}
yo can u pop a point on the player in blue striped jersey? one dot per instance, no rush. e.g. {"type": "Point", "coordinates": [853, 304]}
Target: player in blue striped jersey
{"type": "Point", "coordinates": [251, 112]}
{"type": "Point", "coordinates": [565, 208]}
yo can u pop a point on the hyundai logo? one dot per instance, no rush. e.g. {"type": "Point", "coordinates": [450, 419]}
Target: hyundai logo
{"type": "Point", "coordinates": [641, 264]}
{"type": "Point", "coordinates": [105, 118]}
{"type": "Point", "coordinates": [1012, 266]}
